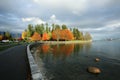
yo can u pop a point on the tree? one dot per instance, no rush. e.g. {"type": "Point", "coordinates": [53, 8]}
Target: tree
{"type": "Point", "coordinates": [56, 34]}
{"type": "Point", "coordinates": [47, 28]}
{"type": "Point", "coordinates": [24, 35]}
{"type": "Point", "coordinates": [57, 26]}
{"type": "Point", "coordinates": [67, 34]}
{"type": "Point", "coordinates": [7, 35]}
{"type": "Point", "coordinates": [36, 37]}
{"type": "Point", "coordinates": [39, 28]}
{"type": "Point", "coordinates": [53, 27]}
{"type": "Point", "coordinates": [77, 34]}
{"type": "Point", "coordinates": [45, 36]}
{"type": "Point", "coordinates": [64, 26]}
{"type": "Point", "coordinates": [81, 36]}
{"type": "Point", "coordinates": [1, 37]}
{"type": "Point", "coordinates": [30, 30]}
{"type": "Point", "coordinates": [87, 36]}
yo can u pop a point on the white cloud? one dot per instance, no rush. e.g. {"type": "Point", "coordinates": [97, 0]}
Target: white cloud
{"type": "Point", "coordinates": [53, 19]}
{"type": "Point", "coordinates": [33, 20]}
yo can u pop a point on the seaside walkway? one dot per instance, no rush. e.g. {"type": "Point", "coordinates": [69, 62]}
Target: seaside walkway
{"type": "Point", "coordinates": [14, 64]}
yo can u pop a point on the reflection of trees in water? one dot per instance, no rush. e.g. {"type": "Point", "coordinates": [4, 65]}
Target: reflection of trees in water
{"type": "Point", "coordinates": [78, 47]}
{"type": "Point", "coordinates": [61, 51]}
{"type": "Point", "coordinates": [87, 47]}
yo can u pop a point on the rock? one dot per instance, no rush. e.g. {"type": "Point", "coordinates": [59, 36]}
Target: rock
{"type": "Point", "coordinates": [94, 70]}
{"type": "Point", "coordinates": [97, 59]}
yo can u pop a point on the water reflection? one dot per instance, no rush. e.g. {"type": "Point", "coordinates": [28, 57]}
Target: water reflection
{"type": "Point", "coordinates": [61, 61]}
{"type": "Point", "coordinates": [59, 50]}
{"type": "Point", "coordinates": [70, 61]}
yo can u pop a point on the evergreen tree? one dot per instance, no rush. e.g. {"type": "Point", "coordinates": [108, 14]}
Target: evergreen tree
{"type": "Point", "coordinates": [64, 26]}
{"type": "Point", "coordinates": [30, 30]}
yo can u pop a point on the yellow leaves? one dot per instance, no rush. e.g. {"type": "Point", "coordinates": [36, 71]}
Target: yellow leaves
{"type": "Point", "coordinates": [24, 35]}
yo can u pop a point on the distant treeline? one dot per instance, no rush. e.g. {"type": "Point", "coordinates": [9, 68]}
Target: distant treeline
{"type": "Point", "coordinates": [54, 32]}
{"type": "Point", "coordinates": [6, 35]}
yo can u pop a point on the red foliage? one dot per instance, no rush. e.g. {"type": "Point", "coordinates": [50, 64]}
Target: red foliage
{"type": "Point", "coordinates": [68, 34]}
{"type": "Point", "coordinates": [36, 37]}
{"type": "Point", "coordinates": [45, 36]}
{"type": "Point", "coordinates": [56, 34]}
{"type": "Point", "coordinates": [62, 34]}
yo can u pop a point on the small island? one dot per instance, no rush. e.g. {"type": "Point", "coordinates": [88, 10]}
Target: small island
{"type": "Point", "coordinates": [54, 33]}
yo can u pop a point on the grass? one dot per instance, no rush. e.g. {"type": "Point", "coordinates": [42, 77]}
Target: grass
{"type": "Point", "coordinates": [4, 46]}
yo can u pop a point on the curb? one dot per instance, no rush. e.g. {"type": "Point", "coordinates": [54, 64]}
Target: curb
{"type": "Point", "coordinates": [35, 71]}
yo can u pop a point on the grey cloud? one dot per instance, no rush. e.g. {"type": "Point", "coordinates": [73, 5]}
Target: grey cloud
{"type": "Point", "coordinates": [93, 14]}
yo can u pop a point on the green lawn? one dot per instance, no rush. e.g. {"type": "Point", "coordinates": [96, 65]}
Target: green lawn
{"type": "Point", "coordinates": [4, 46]}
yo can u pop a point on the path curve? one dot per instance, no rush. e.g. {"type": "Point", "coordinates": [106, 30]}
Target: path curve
{"type": "Point", "coordinates": [14, 64]}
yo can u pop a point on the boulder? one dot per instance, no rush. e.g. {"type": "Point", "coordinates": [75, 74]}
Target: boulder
{"type": "Point", "coordinates": [97, 59]}
{"type": "Point", "coordinates": [94, 70]}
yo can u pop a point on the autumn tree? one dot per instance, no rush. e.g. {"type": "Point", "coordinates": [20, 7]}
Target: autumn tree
{"type": "Point", "coordinates": [36, 37]}
{"type": "Point", "coordinates": [56, 34]}
{"type": "Point", "coordinates": [45, 36]}
{"type": "Point", "coordinates": [24, 35]}
{"type": "Point", "coordinates": [57, 27]}
{"type": "Point", "coordinates": [66, 35]}
{"type": "Point", "coordinates": [1, 37]}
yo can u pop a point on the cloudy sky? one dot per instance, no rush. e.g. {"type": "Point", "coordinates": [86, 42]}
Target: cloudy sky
{"type": "Point", "coordinates": [99, 17]}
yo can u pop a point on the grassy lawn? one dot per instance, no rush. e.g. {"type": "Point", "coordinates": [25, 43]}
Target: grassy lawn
{"type": "Point", "coordinates": [4, 46]}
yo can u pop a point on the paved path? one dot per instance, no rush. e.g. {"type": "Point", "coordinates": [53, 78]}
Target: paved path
{"type": "Point", "coordinates": [14, 64]}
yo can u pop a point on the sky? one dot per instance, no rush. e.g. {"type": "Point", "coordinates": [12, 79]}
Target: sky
{"type": "Point", "coordinates": [99, 17]}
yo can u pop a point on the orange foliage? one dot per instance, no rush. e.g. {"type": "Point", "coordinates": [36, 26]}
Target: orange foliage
{"type": "Point", "coordinates": [62, 34]}
{"type": "Point", "coordinates": [56, 34]}
{"type": "Point", "coordinates": [36, 37]}
{"type": "Point", "coordinates": [45, 36]}
{"type": "Point", "coordinates": [45, 48]}
{"type": "Point", "coordinates": [1, 37]}
{"type": "Point", "coordinates": [68, 34]}
{"type": "Point", "coordinates": [24, 34]}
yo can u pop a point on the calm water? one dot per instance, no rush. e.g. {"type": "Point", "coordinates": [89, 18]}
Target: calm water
{"type": "Point", "coordinates": [70, 61]}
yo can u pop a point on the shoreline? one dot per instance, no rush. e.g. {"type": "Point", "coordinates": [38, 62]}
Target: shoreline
{"type": "Point", "coordinates": [65, 42]}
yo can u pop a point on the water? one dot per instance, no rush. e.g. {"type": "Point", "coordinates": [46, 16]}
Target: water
{"type": "Point", "coordinates": [70, 61]}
